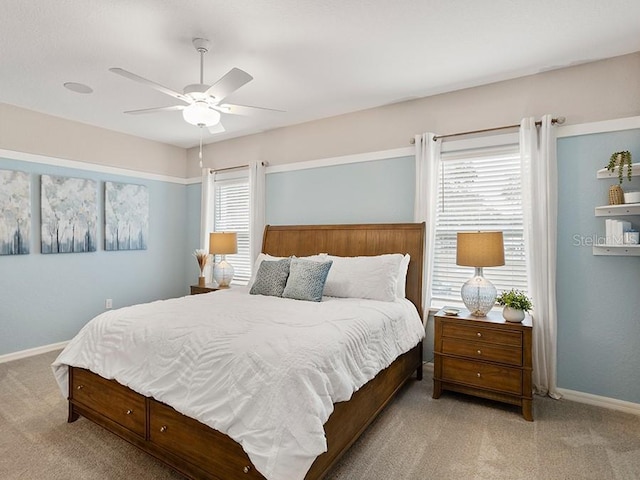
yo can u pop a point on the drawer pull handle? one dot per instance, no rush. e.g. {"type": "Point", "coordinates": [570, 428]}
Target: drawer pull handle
{"type": "Point", "coordinates": [479, 352]}
{"type": "Point", "coordinates": [129, 412]}
{"type": "Point", "coordinates": [478, 374]}
{"type": "Point", "coordinates": [163, 428]}
{"type": "Point", "coordinates": [247, 469]}
{"type": "Point", "coordinates": [79, 387]}
{"type": "Point", "coordinates": [479, 334]}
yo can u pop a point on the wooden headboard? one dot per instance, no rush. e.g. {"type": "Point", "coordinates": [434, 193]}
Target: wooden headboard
{"type": "Point", "coordinates": [351, 241]}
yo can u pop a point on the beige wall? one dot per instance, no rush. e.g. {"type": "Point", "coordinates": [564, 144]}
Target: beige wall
{"type": "Point", "coordinates": [32, 132]}
{"type": "Point", "coordinates": [596, 91]}
{"type": "Point", "coordinates": [591, 92]}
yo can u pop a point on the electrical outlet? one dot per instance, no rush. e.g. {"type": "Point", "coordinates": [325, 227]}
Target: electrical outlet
{"type": "Point", "coordinates": [108, 303]}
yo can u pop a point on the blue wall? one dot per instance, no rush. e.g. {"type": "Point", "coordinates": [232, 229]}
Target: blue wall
{"type": "Point", "coordinates": [46, 299]}
{"type": "Point", "coordinates": [598, 296]}
{"type": "Point", "coordinates": [194, 194]}
{"type": "Point", "coordinates": [377, 191]}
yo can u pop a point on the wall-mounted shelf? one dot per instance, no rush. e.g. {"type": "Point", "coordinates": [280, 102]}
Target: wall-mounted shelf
{"type": "Point", "coordinates": [617, 250]}
{"type": "Point", "coordinates": [604, 173]}
{"type": "Point", "coordinates": [618, 210]}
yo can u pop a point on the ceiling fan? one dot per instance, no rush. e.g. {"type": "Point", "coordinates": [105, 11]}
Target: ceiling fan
{"type": "Point", "coordinates": [202, 103]}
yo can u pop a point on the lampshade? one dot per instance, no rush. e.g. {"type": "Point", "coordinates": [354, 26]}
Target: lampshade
{"type": "Point", "coordinates": [223, 243]}
{"type": "Point", "coordinates": [480, 249]}
{"type": "Point", "coordinates": [199, 113]}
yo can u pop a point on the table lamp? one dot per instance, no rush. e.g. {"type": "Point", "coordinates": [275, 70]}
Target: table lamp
{"type": "Point", "coordinates": [478, 250]}
{"type": "Point", "coordinates": [223, 243]}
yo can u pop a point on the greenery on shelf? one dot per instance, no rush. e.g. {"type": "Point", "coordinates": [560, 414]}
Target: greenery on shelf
{"type": "Point", "coordinates": [619, 160]}
{"type": "Point", "coordinates": [515, 299]}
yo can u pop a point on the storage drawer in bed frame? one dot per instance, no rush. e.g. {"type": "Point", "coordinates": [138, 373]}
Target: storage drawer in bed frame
{"type": "Point", "coordinates": [202, 453]}
{"type": "Point", "coordinates": [190, 447]}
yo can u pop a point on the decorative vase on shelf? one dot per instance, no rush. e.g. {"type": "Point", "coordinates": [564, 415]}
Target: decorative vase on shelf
{"type": "Point", "coordinates": [202, 281]}
{"type": "Point", "coordinates": [616, 195]}
{"type": "Point", "coordinates": [512, 314]}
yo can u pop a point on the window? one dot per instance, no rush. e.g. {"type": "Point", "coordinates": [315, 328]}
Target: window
{"type": "Point", "coordinates": [479, 189]}
{"type": "Point", "coordinates": [232, 214]}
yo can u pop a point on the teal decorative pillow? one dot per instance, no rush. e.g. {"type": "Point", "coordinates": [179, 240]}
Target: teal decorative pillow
{"type": "Point", "coordinates": [271, 278]}
{"type": "Point", "coordinates": [306, 279]}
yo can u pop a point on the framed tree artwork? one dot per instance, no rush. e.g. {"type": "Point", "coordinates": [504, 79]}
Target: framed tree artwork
{"type": "Point", "coordinates": [69, 214]}
{"type": "Point", "coordinates": [15, 219]}
{"type": "Point", "coordinates": [126, 216]}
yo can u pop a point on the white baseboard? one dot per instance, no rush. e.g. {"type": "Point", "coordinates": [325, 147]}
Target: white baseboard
{"type": "Point", "coordinates": [32, 351]}
{"type": "Point", "coordinates": [598, 401]}
{"type": "Point", "coordinates": [427, 367]}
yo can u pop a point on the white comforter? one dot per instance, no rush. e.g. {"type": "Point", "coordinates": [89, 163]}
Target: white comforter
{"type": "Point", "coordinates": [263, 370]}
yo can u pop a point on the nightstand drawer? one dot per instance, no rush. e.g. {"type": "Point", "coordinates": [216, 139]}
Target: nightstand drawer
{"type": "Point", "coordinates": [487, 335]}
{"type": "Point", "coordinates": [483, 375]}
{"type": "Point", "coordinates": [483, 351]}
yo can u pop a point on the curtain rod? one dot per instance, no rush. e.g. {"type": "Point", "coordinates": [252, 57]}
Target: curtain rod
{"type": "Point", "coordinates": [211, 170]}
{"type": "Point", "coordinates": [559, 120]}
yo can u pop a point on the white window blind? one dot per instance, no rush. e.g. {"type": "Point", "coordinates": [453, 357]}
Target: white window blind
{"type": "Point", "coordinates": [479, 190]}
{"type": "Point", "coordinates": [232, 214]}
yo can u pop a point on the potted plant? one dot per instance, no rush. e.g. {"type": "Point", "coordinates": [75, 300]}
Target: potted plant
{"type": "Point", "coordinates": [515, 303]}
{"type": "Point", "coordinates": [619, 160]}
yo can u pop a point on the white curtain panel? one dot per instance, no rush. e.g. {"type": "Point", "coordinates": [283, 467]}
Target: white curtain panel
{"type": "Point", "coordinates": [540, 204]}
{"type": "Point", "coordinates": [426, 201]}
{"type": "Point", "coordinates": [206, 213]}
{"type": "Point", "coordinates": [257, 180]}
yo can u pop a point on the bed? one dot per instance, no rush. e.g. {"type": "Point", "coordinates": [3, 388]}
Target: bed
{"type": "Point", "coordinates": [200, 452]}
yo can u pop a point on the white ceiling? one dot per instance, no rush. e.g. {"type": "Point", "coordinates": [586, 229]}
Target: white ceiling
{"type": "Point", "coordinates": [311, 58]}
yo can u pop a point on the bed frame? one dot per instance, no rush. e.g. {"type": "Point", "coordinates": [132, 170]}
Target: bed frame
{"type": "Point", "coordinates": [200, 452]}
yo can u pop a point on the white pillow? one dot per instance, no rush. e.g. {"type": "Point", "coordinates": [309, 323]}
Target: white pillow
{"type": "Point", "coordinates": [374, 278]}
{"type": "Point", "coordinates": [402, 277]}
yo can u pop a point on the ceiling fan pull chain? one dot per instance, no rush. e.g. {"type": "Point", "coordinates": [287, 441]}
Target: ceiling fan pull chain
{"type": "Point", "coordinates": [200, 154]}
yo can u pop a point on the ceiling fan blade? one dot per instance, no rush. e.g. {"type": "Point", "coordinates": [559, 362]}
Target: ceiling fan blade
{"type": "Point", "coordinates": [217, 128]}
{"type": "Point", "coordinates": [229, 83]}
{"type": "Point", "coordinates": [149, 83]}
{"type": "Point", "coordinates": [156, 109]}
{"type": "Point", "coordinates": [244, 109]}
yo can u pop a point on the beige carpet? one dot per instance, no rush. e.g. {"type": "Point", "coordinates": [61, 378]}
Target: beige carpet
{"type": "Point", "coordinates": [416, 437]}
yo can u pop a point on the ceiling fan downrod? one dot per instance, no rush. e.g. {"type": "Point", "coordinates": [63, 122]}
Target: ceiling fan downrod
{"type": "Point", "coordinates": [202, 46]}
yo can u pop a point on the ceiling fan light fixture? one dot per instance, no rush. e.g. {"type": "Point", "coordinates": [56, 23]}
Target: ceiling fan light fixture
{"type": "Point", "coordinates": [200, 114]}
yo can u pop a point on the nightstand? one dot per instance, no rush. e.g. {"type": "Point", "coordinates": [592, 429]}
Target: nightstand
{"type": "Point", "coordinates": [484, 356]}
{"type": "Point", "coordinates": [197, 289]}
